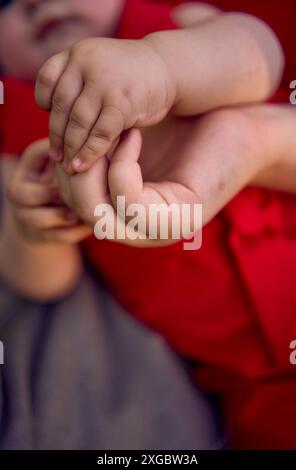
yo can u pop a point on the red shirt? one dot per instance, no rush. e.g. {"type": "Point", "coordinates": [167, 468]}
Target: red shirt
{"type": "Point", "coordinates": [230, 307]}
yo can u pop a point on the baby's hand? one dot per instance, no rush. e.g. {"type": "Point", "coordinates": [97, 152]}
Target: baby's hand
{"type": "Point", "coordinates": [94, 195]}
{"type": "Point", "coordinates": [36, 206]}
{"type": "Point", "coordinates": [199, 161]}
{"type": "Point", "coordinates": [97, 89]}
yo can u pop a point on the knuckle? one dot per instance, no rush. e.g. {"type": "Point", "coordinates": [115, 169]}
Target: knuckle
{"type": "Point", "coordinates": [80, 49]}
{"type": "Point", "coordinates": [91, 148]}
{"type": "Point", "coordinates": [69, 147]}
{"type": "Point", "coordinates": [77, 48]}
{"type": "Point", "coordinates": [46, 77]}
{"type": "Point", "coordinates": [55, 133]}
{"type": "Point", "coordinates": [59, 103]}
{"type": "Point", "coordinates": [117, 117]}
{"type": "Point", "coordinates": [101, 135]}
{"type": "Point", "coordinates": [56, 141]}
{"type": "Point", "coordinates": [122, 99]}
{"type": "Point", "coordinates": [77, 121]}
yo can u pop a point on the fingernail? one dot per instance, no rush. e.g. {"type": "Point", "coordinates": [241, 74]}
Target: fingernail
{"type": "Point", "coordinates": [55, 154]}
{"type": "Point", "coordinates": [76, 164]}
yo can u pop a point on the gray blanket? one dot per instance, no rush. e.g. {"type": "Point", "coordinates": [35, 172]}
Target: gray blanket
{"type": "Point", "coordinates": [82, 374]}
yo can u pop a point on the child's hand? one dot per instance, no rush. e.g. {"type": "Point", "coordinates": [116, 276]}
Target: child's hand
{"type": "Point", "coordinates": [36, 205]}
{"type": "Point", "coordinates": [97, 89]}
{"type": "Point", "coordinates": [207, 160]}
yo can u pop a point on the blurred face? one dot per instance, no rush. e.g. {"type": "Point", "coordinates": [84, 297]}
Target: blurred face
{"type": "Point", "coordinates": [33, 30]}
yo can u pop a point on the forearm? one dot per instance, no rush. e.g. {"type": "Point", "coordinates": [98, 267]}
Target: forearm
{"type": "Point", "coordinates": [279, 124]}
{"type": "Point", "coordinates": [232, 59]}
{"type": "Point", "coordinates": [41, 271]}
{"type": "Point", "coordinates": [251, 146]}
{"type": "Point", "coordinates": [233, 148]}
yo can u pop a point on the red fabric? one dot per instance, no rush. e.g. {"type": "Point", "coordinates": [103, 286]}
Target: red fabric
{"type": "Point", "coordinates": [21, 121]}
{"type": "Point", "coordinates": [229, 307]}
{"type": "Point", "coordinates": [141, 17]}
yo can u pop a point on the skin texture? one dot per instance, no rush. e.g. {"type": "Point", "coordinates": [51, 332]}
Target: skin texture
{"type": "Point", "coordinates": [38, 233]}
{"type": "Point", "coordinates": [171, 151]}
{"type": "Point", "coordinates": [218, 155]}
{"type": "Point", "coordinates": [205, 160]}
{"type": "Point", "coordinates": [34, 194]}
{"type": "Point", "coordinates": [105, 98]}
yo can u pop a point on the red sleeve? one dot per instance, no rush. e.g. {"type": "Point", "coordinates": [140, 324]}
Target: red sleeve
{"type": "Point", "coordinates": [21, 121]}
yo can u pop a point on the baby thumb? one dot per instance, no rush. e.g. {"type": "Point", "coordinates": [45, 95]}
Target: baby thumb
{"type": "Point", "coordinates": [125, 175]}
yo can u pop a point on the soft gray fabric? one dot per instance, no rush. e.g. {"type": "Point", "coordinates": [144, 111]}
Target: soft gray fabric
{"type": "Point", "coordinates": [81, 374]}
